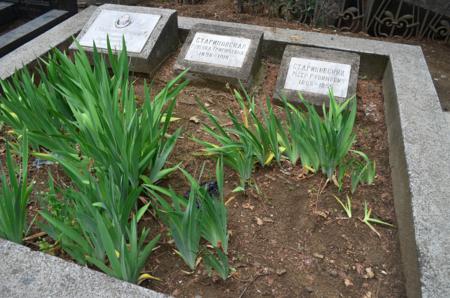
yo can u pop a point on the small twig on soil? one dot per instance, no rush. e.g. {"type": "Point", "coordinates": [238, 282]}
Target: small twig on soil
{"type": "Point", "coordinates": [34, 236]}
{"type": "Point", "coordinates": [187, 103]}
{"type": "Point", "coordinates": [291, 248]}
{"type": "Point", "coordinates": [319, 192]}
{"type": "Point", "coordinates": [251, 282]}
{"type": "Point", "coordinates": [229, 200]}
{"type": "Point", "coordinates": [378, 289]}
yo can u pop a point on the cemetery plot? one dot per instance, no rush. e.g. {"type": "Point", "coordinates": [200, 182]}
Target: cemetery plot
{"type": "Point", "coordinates": [289, 239]}
{"type": "Point", "coordinates": [151, 34]}
{"type": "Point", "coordinates": [314, 72]}
{"type": "Point", "coordinates": [292, 238]}
{"type": "Point", "coordinates": [260, 203]}
{"type": "Point", "coordinates": [220, 54]}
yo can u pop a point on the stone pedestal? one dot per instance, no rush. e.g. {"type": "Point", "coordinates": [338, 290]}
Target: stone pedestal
{"type": "Point", "coordinates": [151, 34]}
{"type": "Point", "coordinates": [220, 54]}
{"type": "Point", "coordinates": [313, 72]}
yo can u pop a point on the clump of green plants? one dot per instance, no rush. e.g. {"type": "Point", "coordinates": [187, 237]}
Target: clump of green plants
{"type": "Point", "coordinates": [324, 143]}
{"type": "Point", "coordinates": [87, 116]}
{"type": "Point", "coordinates": [99, 233]}
{"type": "Point", "coordinates": [249, 141]}
{"type": "Point", "coordinates": [347, 206]}
{"type": "Point", "coordinates": [320, 142]}
{"type": "Point", "coordinates": [14, 195]}
{"type": "Point", "coordinates": [369, 220]}
{"type": "Point", "coordinates": [201, 215]}
{"type": "Point", "coordinates": [86, 119]}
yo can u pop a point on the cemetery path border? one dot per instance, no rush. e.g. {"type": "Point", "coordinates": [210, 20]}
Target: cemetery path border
{"type": "Point", "coordinates": [418, 133]}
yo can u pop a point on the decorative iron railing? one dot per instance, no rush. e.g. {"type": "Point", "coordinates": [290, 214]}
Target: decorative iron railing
{"type": "Point", "coordinates": [383, 18]}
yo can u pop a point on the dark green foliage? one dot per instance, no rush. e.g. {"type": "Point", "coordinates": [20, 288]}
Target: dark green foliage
{"type": "Point", "coordinates": [201, 216]}
{"type": "Point", "coordinates": [99, 233]}
{"type": "Point", "coordinates": [14, 195]}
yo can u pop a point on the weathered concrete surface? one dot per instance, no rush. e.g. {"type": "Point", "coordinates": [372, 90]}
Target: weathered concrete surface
{"type": "Point", "coordinates": [419, 144]}
{"type": "Point", "coordinates": [41, 45]}
{"type": "Point", "coordinates": [26, 273]}
{"type": "Point", "coordinates": [162, 41]}
{"type": "Point", "coordinates": [199, 71]}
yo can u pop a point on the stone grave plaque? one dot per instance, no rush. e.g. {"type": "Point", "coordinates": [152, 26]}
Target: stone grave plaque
{"type": "Point", "coordinates": [228, 51]}
{"type": "Point", "coordinates": [151, 34]}
{"type": "Point", "coordinates": [313, 72]}
{"type": "Point", "coordinates": [221, 54]}
{"type": "Point", "coordinates": [134, 27]}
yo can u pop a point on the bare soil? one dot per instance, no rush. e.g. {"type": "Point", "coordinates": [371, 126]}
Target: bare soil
{"type": "Point", "coordinates": [293, 239]}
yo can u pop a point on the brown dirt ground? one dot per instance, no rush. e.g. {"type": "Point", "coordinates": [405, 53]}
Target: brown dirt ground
{"type": "Point", "coordinates": [304, 246]}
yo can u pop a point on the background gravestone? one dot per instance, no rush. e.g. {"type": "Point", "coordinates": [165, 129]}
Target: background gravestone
{"type": "Point", "coordinates": [221, 54]}
{"type": "Point", "coordinates": [313, 71]}
{"type": "Point", "coordinates": [151, 34]}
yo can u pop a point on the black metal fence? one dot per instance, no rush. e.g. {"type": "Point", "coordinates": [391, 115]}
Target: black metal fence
{"type": "Point", "coordinates": [384, 18]}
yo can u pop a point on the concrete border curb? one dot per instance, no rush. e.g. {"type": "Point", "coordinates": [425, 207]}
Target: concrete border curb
{"type": "Point", "coordinates": [27, 273]}
{"type": "Point", "coordinates": [418, 131]}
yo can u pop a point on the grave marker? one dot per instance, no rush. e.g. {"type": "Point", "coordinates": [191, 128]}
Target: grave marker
{"type": "Point", "coordinates": [312, 72]}
{"type": "Point", "coordinates": [151, 34]}
{"type": "Point", "coordinates": [221, 54]}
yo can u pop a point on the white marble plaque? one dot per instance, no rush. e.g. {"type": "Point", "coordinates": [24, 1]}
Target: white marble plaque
{"type": "Point", "coordinates": [218, 49]}
{"type": "Point", "coordinates": [317, 76]}
{"type": "Point", "coordinates": [135, 27]}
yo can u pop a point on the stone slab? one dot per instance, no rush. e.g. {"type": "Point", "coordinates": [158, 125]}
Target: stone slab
{"type": "Point", "coordinates": [27, 54]}
{"type": "Point", "coordinates": [24, 33]}
{"type": "Point", "coordinates": [135, 27]}
{"type": "Point", "coordinates": [221, 54]}
{"type": "Point", "coordinates": [151, 32]}
{"type": "Point", "coordinates": [31, 274]}
{"type": "Point", "coordinates": [312, 72]}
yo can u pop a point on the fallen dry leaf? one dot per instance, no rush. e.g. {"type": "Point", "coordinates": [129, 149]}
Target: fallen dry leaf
{"type": "Point", "coordinates": [348, 282]}
{"type": "Point", "coordinates": [248, 206]}
{"type": "Point", "coordinates": [369, 272]}
{"type": "Point", "coordinates": [259, 221]}
{"type": "Point", "coordinates": [359, 268]}
{"type": "Point", "coordinates": [281, 271]}
{"type": "Point", "coordinates": [317, 255]}
{"type": "Point", "coordinates": [194, 119]}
